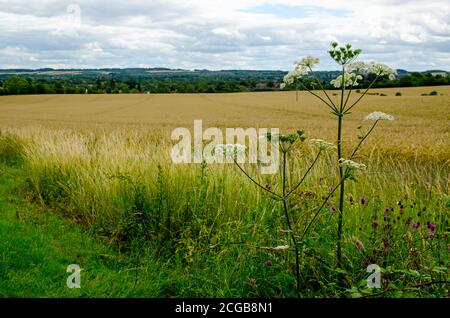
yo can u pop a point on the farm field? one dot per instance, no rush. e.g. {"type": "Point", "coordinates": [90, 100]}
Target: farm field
{"type": "Point", "coordinates": [100, 165]}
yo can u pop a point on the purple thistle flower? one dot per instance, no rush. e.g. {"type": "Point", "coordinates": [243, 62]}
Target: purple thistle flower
{"type": "Point", "coordinates": [331, 189]}
{"type": "Point", "coordinates": [402, 211]}
{"type": "Point", "coordinates": [375, 224]}
{"type": "Point", "coordinates": [333, 208]}
{"type": "Point", "coordinates": [386, 245]}
{"type": "Point", "coordinates": [362, 200]}
{"type": "Point", "coordinates": [431, 227]}
{"type": "Point", "coordinates": [386, 211]}
{"type": "Point", "coordinates": [415, 226]}
{"type": "Point", "coordinates": [267, 186]}
{"type": "Point", "coordinates": [268, 263]}
{"type": "Point", "coordinates": [408, 222]}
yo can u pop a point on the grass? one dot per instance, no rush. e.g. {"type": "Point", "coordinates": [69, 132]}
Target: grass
{"type": "Point", "coordinates": [97, 180]}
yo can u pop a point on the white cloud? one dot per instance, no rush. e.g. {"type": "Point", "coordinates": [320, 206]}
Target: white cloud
{"type": "Point", "coordinates": [258, 34]}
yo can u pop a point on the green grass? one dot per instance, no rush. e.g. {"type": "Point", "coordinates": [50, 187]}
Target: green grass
{"type": "Point", "coordinates": [212, 244]}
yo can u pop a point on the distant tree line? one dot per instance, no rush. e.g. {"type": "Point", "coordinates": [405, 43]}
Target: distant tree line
{"type": "Point", "coordinates": [107, 84]}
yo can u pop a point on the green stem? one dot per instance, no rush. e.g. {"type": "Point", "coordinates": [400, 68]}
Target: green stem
{"type": "Point", "coordinates": [286, 212]}
{"type": "Point", "coordinates": [341, 172]}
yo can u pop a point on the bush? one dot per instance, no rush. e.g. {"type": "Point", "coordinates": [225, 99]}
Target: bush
{"type": "Point", "coordinates": [398, 94]}
{"type": "Point", "coordinates": [433, 93]}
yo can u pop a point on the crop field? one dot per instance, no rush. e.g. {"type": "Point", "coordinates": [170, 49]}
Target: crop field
{"type": "Point", "coordinates": [93, 175]}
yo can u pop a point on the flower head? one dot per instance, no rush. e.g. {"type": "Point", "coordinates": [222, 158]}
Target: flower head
{"type": "Point", "coordinates": [351, 164]}
{"type": "Point", "coordinates": [322, 144]}
{"type": "Point", "coordinates": [358, 67]}
{"type": "Point", "coordinates": [350, 79]}
{"type": "Point", "coordinates": [306, 63]}
{"type": "Point", "coordinates": [333, 208]}
{"type": "Point", "coordinates": [229, 149]}
{"type": "Point", "coordinates": [268, 263]}
{"type": "Point", "coordinates": [381, 70]}
{"type": "Point", "coordinates": [362, 200]}
{"type": "Point", "coordinates": [379, 116]}
{"type": "Point", "coordinates": [375, 224]}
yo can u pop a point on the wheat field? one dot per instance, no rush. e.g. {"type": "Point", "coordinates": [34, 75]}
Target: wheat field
{"type": "Point", "coordinates": [103, 162]}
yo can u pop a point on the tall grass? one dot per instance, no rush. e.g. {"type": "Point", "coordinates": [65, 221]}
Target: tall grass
{"type": "Point", "coordinates": [122, 186]}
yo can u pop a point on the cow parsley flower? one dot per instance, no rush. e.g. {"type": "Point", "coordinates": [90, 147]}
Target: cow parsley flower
{"type": "Point", "coordinates": [350, 79]}
{"type": "Point", "coordinates": [351, 164]}
{"type": "Point", "coordinates": [322, 144]}
{"type": "Point", "coordinates": [379, 116]}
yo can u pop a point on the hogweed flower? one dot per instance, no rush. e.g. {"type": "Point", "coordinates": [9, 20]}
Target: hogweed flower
{"type": "Point", "coordinates": [229, 149]}
{"type": "Point", "coordinates": [350, 79]}
{"type": "Point", "coordinates": [381, 70]}
{"type": "Point", "coordinates": [351, 164]}
{"type": "Point", "coordinates": [322, 144]}
{"type": "Point", "coordinates": [379, 116]}
{"type": "Point", "coordinates": [307, 62]}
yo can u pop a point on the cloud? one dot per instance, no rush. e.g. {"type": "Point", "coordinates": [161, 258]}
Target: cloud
{"type": "Point", "coordinates": [254, 34]}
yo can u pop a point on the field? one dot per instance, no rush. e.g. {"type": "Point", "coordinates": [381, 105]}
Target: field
{"type": "Point", "coordinates": [98, 168]}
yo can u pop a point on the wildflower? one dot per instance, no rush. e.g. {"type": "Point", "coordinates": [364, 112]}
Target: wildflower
{"type": "Point", "coordinates": [402, 211]}
{"type": "Point", "coordinates": [386, 245]}
{"type": "Point", "coordinates": [322, 144]}
{"type": "Point", "coordinates": [359, 245]}
{"type": "Point", "coordinates": [381, 70]}
{"type": "Point", "coordinates": [333, 208]}
{"type": "Point", "coordinates": [350, 79]}
{"type": "Point", "coordinates": [408, 222]}
{"type": "Point", "coordinates": [306, 62]}
{"type": "Point", "coordinates": [415, 226]}
{"type": "Point", "coordinates": [431, 227]}
{"type": "Point", "coordinates": [268, 263]}
{"type": "Point", "coordinates": [375, 224]}
{"type": "Point", "coordinates": [229, 149]}
{"type": "Point", "coordinates": [331, 189]}
{"type": "Point", "coordinates": [379, 116]}
{"type": "Point", "coordinates": [358, 67]}
{"type": "Point", "coordinates": [351, 164]}
{"type": "Point", "coordinates": [292, 76]}
{"type": "Point", "coordinates": [386, 211]}
{"type": "Point", "coordinates": [267, 186]}
{"type": "Point", "coordinates": [362, 200]}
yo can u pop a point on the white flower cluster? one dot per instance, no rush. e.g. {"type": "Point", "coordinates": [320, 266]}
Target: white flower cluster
{"type": "Point", "coordinates": [229, 149]}
{"type": "Point", "coordinates": [322, 144]}
{"type": "Point", "coordinates": [291, 77]}
{"type": "Point", "coordinates": [381, 70]}
{"type": "Point", "coordinates": [306, 63]}
{"type": "Point", "coordinates": [351, 164]}
{"type": "Point", "coordinates": [379, 116]}
{"type": "Point", "coordinates": [350, 79]}
{"type": "Point", "coordinates": [358, 67]}
{"type": "Point", "coordinates": [301, 68]}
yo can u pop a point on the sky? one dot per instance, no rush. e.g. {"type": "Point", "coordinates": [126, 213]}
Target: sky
{"type": "Point", "coordinates": [226, 34]}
